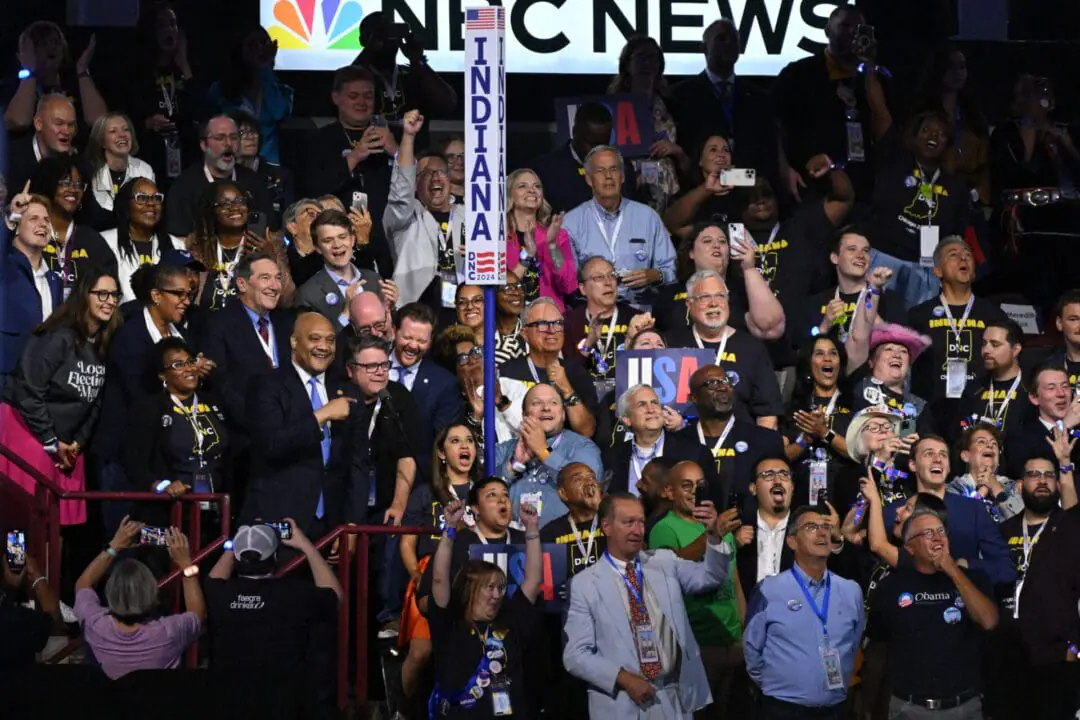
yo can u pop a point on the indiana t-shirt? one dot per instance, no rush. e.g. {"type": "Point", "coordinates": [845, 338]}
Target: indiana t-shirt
{"type": "Point", "coordinates": [962, 341]}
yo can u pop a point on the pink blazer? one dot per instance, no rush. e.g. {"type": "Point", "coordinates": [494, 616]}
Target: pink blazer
{"type": "Point", "coordinates": [555, 284]}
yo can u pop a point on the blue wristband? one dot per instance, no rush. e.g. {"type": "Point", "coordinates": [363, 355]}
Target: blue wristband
{"type": "Point", "coordinates": [450, 533]}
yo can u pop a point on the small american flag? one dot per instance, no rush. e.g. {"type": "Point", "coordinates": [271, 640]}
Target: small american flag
{"type": "Point", "coordinates": [484, 19]}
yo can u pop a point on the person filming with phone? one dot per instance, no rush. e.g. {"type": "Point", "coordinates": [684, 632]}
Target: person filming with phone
{"type": "Point", "coordinates": [245, 599]}
{"type": "Point", "coordinates": [129, 633]}
{"type": "Point", "coordinates": [25, 630]}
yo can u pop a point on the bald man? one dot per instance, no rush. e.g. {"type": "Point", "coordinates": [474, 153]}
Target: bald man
{"type": "Point", "coordinates": [295, 413]}
{"type": "Point", "coordinates": [55, 126]}
{"type": "Point", "coordinates": [367, 314]}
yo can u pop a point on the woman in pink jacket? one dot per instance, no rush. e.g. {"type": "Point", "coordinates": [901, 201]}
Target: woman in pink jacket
{"type": "Point", "coordinates": [538, 250]}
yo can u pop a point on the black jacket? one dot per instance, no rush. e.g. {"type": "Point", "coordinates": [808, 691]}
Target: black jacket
{"type": "Point", "coordinates": [85, 249]}
{"type": "Point", "coordinates": [287, 471]}
{"type": "Point", "coordinates": [56, 387]}
{"type": "Point", "coordinates": [676, 449]}
{"type": "Point", "coordinates": [746, 558]}
{"type": "Point", "coordinates": [230, 339]}
{"type": "Point", "coordinates": [183, 198]}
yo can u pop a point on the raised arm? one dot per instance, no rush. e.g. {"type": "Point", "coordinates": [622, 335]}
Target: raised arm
{"type": "Point", "coordinates": [125, 535]}
{"type": "Point", "coordinates": [320, 570]}
{"type": "Point", "coordinates": [534, 553]}
{"type": "Point", "coordinates": [180, 552]}
{"type": "Point", "coordinates": [440, 564]}
{"type": "Point", "coordinates": [866, 315]}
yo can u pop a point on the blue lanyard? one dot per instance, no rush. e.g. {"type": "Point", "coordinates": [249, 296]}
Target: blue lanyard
{"type": "Point", "coordinates": [823, 612]}
{"type": "Point", "coordinates": [626, 580]}
{"type": "Point", "coordinates": [467, 698]}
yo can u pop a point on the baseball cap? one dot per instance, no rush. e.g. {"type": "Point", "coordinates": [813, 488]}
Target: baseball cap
{"type": "Point", "coordinates": [180, 258]}
{"type": "Point", "coordinates": [260, 539]}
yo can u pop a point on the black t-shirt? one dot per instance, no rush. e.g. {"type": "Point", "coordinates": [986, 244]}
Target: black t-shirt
{"type": "Point", "coordinates": [560, 532]}
{"type": "Point", "coordinates": [83, 250]}
{"type": "Point", "coordinates": [181, 448]}
{"type": "Point", "coordinates": [1012, 415]}
{"type": "Point", "coordinates": [933, 643]}
{"type": "Point", "coordinates": [459, 555]}
{"type": "Point", "coordinates": [890, 309]}
{"type": "Point", "coordinates": [445, 266]}
{"type": "Point", "coordinates": [838, 421]}
{"type": "Point", "coordinates": [264, 622]}
{"type": "Point", "coordinates": [744, 446]}
{"type": "Point", "coordinates": [902, 192]}
{"type": "Point", "coordinates": [24, 633]}
{"type": "Point", "coordinates": [793, 257]}
{"type": "Point", "coordinates": [580, 379]}
{"type": "Point", "coordinates": [530, 281]}
{"type": "Point", "coordinates": [458, 647]}
{"type": "Point", "coordinates": [716, 208]}
{"type": "Point", "coordinates": [424, 510]}
{"type": "Point", "coordinates": [757, 393]}
{"type": "Point", "coordinates": [219, 289]}
{"type": "Point", "coordinates": [671, 310]}
{"type": "Point", "coordinates": [384, 449]}
{"type": "Point", "coordinates": [1013, 532]}
{"type": "Point", "coordinates": [929, 318]}
{"type": "Point", "coordinates": [1073, 371]}
{"type": "Point", "coordinates": [577, 329]}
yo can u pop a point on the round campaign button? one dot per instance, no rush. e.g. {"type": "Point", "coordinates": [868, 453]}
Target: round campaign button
{"type": "Point", "coordinates": [910, 181]}
{"type": "Point", "coordinates": [741, 446]}
{"type": "Point", "coordinates": [952, 615]}
{"type": "Point", "coordinates": [496, 667]}
{"type": "Point", "coordinates": [331, 298]}
{"type": "Point", "coordinates": [939, 311]}
{"type": "Point", "coordinates": [640, 255]}
{"type": "Point", "coordinates": [794, 605]}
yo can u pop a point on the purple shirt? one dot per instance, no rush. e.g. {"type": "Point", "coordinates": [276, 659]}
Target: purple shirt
{"type": "Point", "coordinates": [153, 646]}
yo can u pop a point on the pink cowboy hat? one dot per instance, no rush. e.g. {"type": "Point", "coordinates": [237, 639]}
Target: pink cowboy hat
{"type": "Point", "coordinates": [900, 335]}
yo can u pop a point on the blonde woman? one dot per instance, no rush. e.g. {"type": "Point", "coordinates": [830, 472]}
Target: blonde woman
{"type": "Point", "coordinates": [538, 250]}
{"type": "Point", "coordinates": [111, 153]}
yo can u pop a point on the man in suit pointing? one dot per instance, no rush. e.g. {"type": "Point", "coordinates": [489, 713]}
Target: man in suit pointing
{"type": "Point", "coordinates": [649, 667]}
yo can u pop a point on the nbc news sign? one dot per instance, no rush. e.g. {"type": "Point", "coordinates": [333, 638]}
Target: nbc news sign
{"type": "Point", "coordinates": [569, 37]}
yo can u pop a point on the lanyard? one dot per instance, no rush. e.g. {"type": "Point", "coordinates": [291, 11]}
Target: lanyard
{"type": "Point", "coordinates": [610, 331]}
{"type": "Point", "coordinates": [658, 451]}
{"type": "Point", "coordinates": [822, 612]}
{"type": "Point", "coordinates": [1029, 545]}
{"type": "Point", "coordinates": [719, 350]}
{"type": "Point", "coordinates": [928, 190]}
{"type": "Point", "coordinates": [585, 552]}
{"type": "Point", "coordinates": [268, 345]}
{"type": "Point", "coordinates": [371, 425]}
{"type": "Point", "coordinates": [963, 319]}
{"type": "Point", "coordinates": [996, 416]}
{"type": "Point", "coordinates": [193, 418]}
{"type": "Point", "coordinates": [223, 267]}
{"type": "Point", "coordinates": [484, 540]}
{"type": "Point", "coordinates": [37, 148]}
{"type": "Point", "coordinates": [832, 404]}
{"type": "Point", "coordinates": [626, 581]}
{"type": "Point", "coordinates": [613, 238]}
{"type": "Point", "coordinates": [389, 88]}
{"type": "Point", "coordinates": [723, 436]}
{"type": "Point", "coordinates": [169, 95]}
{"type": "Point", "coordinates": [211, 179]}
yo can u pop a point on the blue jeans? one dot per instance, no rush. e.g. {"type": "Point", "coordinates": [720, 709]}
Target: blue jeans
{"type": "Point", "coordinates": [916, 284]}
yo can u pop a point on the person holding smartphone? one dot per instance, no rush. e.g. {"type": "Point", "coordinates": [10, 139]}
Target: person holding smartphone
{"type": "Point", "coordinates": [129, 633]}
{"type": "Point", "coordinates": [25, 630]}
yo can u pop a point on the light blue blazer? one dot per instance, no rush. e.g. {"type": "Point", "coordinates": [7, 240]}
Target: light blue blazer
{"type": "Point", "coordinates": [599, 642]}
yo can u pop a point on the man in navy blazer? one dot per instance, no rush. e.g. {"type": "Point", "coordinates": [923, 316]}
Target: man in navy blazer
{"type": "Point", "coordinates": [973, 535]}
{"type": "Point", "coordinates": [249, 338]}
{"type": "Point", "coordinates": [435, 391]}
{"type": "Point", "coordinates": [293, 415]}
{"type": "Point", "coordinates": [24, 276]}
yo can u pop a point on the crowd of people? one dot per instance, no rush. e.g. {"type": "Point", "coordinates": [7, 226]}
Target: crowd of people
{"type": "Point", "coordinates": [847, 518]}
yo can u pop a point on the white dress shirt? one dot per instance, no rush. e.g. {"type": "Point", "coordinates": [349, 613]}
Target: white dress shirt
{"type": "Point", "coordinates": [666, 642]}
{"type": "Point", "coordinates": [41, 282]}
{"type": "Point", "coordinates": [770, 545]}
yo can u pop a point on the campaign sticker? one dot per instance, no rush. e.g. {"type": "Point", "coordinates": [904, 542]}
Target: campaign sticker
{"type": "Point", "coordinates": [952, 615]}
{"type": "Point", "coordinates": [741, 446]}
{"type": "Point", "coordinates": [332, 298]}
{"type": "Point", "coordinates": [906, 600]}
{"type": "Point", "coordinates": [794, 605]}
{"type": "Point", "coordinates": [939, 311]}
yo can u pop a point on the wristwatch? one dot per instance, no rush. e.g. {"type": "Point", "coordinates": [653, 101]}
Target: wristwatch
{"type": "Point", "coordinates": [830, 436]}
{"type": "Point", "coordinates": [573, 400]}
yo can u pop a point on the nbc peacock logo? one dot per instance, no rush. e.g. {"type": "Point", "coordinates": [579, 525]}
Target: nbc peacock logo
{"type": "Point", "coordinates": [316, 24]}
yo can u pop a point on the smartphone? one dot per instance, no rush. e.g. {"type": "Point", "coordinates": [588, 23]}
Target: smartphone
{"type": "Point", "coordinates": [735, 501]}
{"type": "Point", "coordinates": [257, 224]}
{"type": "Point", "coordinates": [736, 233]}
{"type": "Point", "coordinates": [284, 529]}
{"type": "Point", "coordinates": [907, 427]}
{"type": "Point", "coordinates": [152, 536]}
{"type": "Point", "coordinates": [400, 31]}
{"type": "Point", "coordinates": [822, 496]}
{"type": "Point", "coordinates": [736, 177]}
{"type": "Point", "coordinates": [701, 494]}
{"type": "Point", "coordinates": [359, 201]}
{"type": "Point", "coordinates": [864, 37]}
{"type": "Point", "coordinates": [16, 550]}
{"type": "Point", "coordinates": [378, 121]}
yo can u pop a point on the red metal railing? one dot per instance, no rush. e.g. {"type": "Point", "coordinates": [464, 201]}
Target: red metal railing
{"type": "Point", "coordinates": [44, 511]}
{"type": "Point", "coordinates": [360, 611]}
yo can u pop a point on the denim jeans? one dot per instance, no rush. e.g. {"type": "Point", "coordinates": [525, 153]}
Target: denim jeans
{"type": "Point", "coordinates": [916, 284]}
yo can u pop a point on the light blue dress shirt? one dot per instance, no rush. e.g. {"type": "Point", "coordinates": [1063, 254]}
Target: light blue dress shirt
{"type": "Point", "coordinates": [642, 242]}
{"type": "Point", "coordinates": [783, 639]}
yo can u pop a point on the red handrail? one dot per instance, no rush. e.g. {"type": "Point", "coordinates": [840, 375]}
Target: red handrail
{"type": "Point", "coordinates": [361, 651]}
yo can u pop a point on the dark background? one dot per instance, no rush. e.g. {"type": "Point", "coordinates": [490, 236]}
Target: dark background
{"type": "Point", "coordinates": [1042, 36]}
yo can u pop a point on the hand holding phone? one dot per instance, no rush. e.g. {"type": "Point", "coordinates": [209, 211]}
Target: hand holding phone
{"type": "Point", "coordinates": [16, 550]}
{"type": "Point", "coordinates": [284, 529]}
{"type": "Point", "coordinates": [152, 536]}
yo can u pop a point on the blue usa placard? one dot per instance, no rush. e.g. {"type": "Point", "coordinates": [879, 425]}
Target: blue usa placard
{"type": "Point", "coordinates": [667, 371]}
{"type": "Point", "coordinates": [511, 559]}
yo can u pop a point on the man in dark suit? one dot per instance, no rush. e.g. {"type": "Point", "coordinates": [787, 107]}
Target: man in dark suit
{"type": "Point", "coordinates": [762, 550]}
{"type": "Point", "coordinates": [331, 289]}
{"type": "Point", "coordinates": [55, 127]}
{"type": "Point", "coordinates": [1054, 401]}
{"type": "Point", "coordinates": [641, 413]}
{"type": "Point", "coordinates": [716, 102]}
{"type": "Point", "coordinates": [435, 391]}
{"type": "Point", "coordinates": [562, 171]}
{"type": "Point", "coordinates": [294, 413]}
{"type": "Point", "coordinates": [248, 338]}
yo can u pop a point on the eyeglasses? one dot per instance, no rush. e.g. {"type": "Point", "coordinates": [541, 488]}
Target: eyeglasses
{"type": "Point", "coordinates": [435, 173]}
{"type": "Point", "coordinates": [606, 277]}
{"type": "Point", "coordinates": [372, 367]}
{"type": "Point", "coordinates": [182, 364]}
{"type": "Point", "coordinates": [222, 137]}
{"type": "Point", "coordinates": [106, 295]}
{"type": "Point", "coordinates": [709, 297]}
{"type": "Point", "coordinates": [509, 289]}
{"type": "Point", "coordinates": [929, 533]}
{"type": "Point", "coordinates": [546, 326]}
{"type": "Point", "coordinates": [71, 183]}
{"type": "Point", "coordinates": [454, 157]}
{"type": "Point", "coordinates": [249, 133]}
{"type": "Point", "coordinates": [1036, 474]}
{"type": "Point", "coordinates": [814, 528]}
{"type": "Point", "coordinates": [774, 475]}
{"type": "Point", "coordinates": [878, 427]}
{"type": "Point", "coordinates": [722, 381]}
{"type": "Point", "coordinates": [377, 329]}
{"type": "Point", "coordinates": [142, 198]}
{"type": "Point", "coordinates": [178, 294]}
{"type": "Point", "coordinates": [234, 203]}
{"type": "Point", "coordinates": [464, 358]}
{"type": "Point", "coordinates": [476, 301]}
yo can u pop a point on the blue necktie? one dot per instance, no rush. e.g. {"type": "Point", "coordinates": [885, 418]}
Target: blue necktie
{"type": "Point", "coordinates": [316, 405]}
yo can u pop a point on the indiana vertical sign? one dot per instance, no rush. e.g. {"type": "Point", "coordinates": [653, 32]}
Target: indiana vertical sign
{"type": "Point", "coordinates": [485, 146]}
